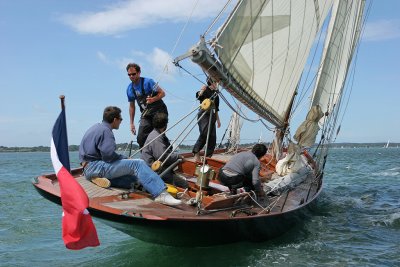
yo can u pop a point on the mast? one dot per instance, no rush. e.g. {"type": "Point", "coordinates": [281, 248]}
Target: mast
{"type": "Point", "coordinates": [280, 133]}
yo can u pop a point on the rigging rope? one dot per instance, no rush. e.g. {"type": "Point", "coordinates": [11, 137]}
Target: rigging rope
{"type": "Point", "coordinates": [242, 115]}
{"type": "Point", "coordinates": [182, 139]}
{"type": "Point", "coordinates": [216, 18]}
{"type": "Point", "coordinates": [175, 46]}
{"type": "Point", "coordinates": [184, 117]}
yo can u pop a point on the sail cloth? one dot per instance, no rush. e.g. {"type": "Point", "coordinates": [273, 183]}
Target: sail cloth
{"type": "Point", "coordinates": [292, 170]}
{"type": "Point", "coordinates": [78, 230]}
{"type": "Point", "coordinates": [292, 162]}
{"type": "Point", "coordinates": [308, 129]}
{"type": "Point", "coordinates": [264, 46]}
{"type": "Point", "coordinates": [342, 37]}
{"type": "Point", "coordinates": [279, 184]}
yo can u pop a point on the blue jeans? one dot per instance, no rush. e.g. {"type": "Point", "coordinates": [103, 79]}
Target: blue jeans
{"type": "Point", "coordinates": [133, 169]}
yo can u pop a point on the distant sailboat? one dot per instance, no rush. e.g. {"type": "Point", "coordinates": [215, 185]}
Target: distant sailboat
{"type": "Point", "coordinates": [387, 144]}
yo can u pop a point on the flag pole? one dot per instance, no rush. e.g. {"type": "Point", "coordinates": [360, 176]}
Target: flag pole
{"type": "Point", "coordinates": [62, 98]}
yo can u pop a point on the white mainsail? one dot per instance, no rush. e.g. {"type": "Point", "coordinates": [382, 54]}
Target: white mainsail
{"type": "Point", "coordinates": [264, 46]}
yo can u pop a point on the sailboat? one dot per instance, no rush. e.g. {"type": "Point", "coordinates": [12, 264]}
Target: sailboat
{"type": "Point", "coordinates": [260, 55]}
{"type": "Point", "coordinates": [387, 144]}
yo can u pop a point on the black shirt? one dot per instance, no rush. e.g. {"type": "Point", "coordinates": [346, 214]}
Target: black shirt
{"type": "Point", "coordinates": [208, 93]}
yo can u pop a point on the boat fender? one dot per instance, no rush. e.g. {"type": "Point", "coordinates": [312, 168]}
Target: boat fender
{"type": "Point", "coordinates": [206, 104]}
{"type": "Point", "coordinates": [156, 165]}
{"type": "Point", "coordinates": [172, 190]}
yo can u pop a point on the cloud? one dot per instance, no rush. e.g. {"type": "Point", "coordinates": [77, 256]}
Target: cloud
{"type": "Point", "coordinates": [159, 60]}
{"type": "Point", "coordinates": [382, 30]}
{"type": "Point", "coordinates": [128, 15]}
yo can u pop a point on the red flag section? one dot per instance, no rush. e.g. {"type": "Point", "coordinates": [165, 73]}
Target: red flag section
{"type": "Point", "coordinates": [78, 230]}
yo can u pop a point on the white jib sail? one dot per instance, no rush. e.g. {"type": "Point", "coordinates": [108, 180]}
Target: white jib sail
{"type": "Point", "coordinates": [340, 43]}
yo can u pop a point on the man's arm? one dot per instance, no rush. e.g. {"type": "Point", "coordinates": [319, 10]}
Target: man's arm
{"type": "Point", "coordinates": [107, 147]}
{"type": "Point", "coordinates": [218, 121]}
{"type": "Point", "coordinates": [132, 116]}
{"type": "Point", "coordinates": [159, 96]}
{"type": "Point", "coordinates": [256, 180]}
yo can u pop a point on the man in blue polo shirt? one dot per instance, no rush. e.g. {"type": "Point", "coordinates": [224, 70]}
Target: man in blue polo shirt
{"type": "Point", "coordinates": [148, 96]}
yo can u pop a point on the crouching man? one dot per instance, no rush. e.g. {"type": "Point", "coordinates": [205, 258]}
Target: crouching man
{"type": "Point", "coordinates": [242, 170]}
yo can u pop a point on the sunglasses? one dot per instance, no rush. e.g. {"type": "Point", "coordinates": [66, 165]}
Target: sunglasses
{"type": "Point", "coordinates": [132, 74]}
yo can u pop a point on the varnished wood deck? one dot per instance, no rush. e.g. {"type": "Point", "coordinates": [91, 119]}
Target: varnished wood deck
{"type": "Point", "coordinates": [93, 190]}
{"type": "Point", "coordinates": [285, 202]}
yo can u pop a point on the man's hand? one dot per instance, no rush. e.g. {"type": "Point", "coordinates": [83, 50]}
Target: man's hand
{"type": "Point", "coordinates": [150, 100]}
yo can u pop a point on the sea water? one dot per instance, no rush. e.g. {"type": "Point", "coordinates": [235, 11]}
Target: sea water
{"type": "Point", "coordinates": [356, 222]}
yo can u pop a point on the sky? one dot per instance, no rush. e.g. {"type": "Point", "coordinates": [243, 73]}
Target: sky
{"type": "Point", "coordinates": [80, 49]}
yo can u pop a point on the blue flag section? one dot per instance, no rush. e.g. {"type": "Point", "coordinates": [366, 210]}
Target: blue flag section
{"type": "Point", "coordinates": [61, 140]}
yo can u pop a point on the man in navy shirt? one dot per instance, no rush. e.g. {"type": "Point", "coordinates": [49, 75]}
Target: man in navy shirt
{"type": "Point", "coordinates": [101, 163]}
{"type": "Point", "coordinates": [148, 96]}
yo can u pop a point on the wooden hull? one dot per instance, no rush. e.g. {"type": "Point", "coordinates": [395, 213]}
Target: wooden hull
{"type": "Point", "coordinates": [140, 217]}
{"type": "Point", "coordinates": [207, 233]}
{"type": "Point", "coordinates": [199, 232]}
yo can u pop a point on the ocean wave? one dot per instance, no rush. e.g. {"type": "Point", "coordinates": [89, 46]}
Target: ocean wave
{"type": "Point", "coordinates": [390, 172]}
{"type": "Point", "coordinates": [392, 220]}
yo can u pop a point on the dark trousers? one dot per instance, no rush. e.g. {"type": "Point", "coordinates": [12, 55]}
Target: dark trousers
{"type": "Point", "coordinates": [145, 128]}
{"type": "Point", "coordinates": [235, 182]}
{"type": "Point", "coordinates": [146, 121]}
{"type": "Point", "coordinates": [203, 128]}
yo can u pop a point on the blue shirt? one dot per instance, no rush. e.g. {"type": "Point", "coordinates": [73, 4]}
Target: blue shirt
{"type": "Point", "coordinates": [149, 88]}
{"type": "Point", "coordinates": [98, 143]}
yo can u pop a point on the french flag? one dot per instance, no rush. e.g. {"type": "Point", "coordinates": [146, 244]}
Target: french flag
{"type": "Point", "coordinates": [78, 230]}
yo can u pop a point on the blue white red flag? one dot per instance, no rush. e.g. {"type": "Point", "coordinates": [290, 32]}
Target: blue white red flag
{"type": "Point", "coordinates": [78, 230]}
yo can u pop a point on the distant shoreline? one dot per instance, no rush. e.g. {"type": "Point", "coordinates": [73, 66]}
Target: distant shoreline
{"type": "Point", "coordinates": [124, 146]}
{"type": "Point", "coordinates": [71, 148]}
